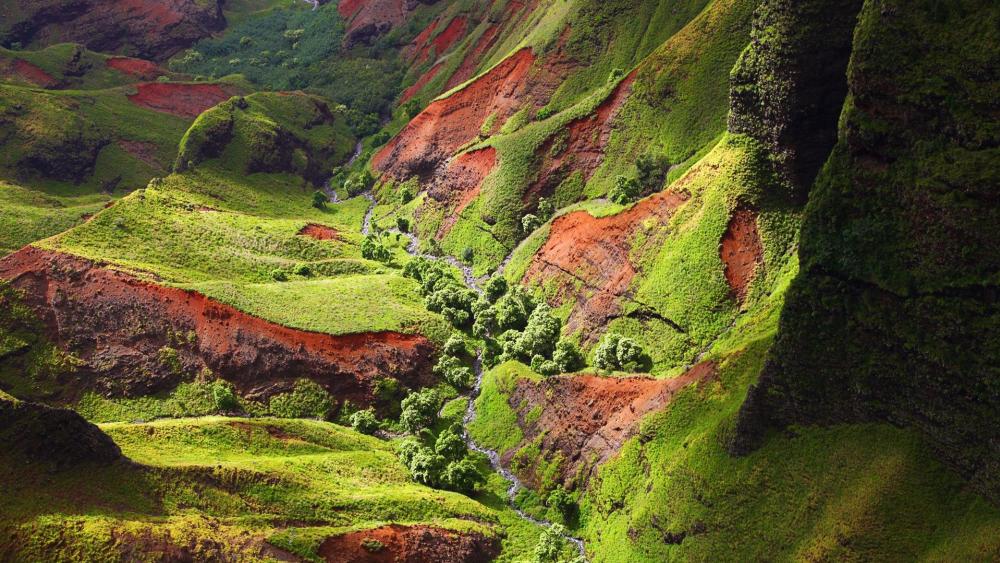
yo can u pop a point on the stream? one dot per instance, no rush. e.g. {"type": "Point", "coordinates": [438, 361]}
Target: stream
{"type": "Point", "coordinates": [474, 283]}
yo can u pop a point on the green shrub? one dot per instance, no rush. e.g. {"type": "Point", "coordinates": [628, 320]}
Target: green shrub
{"type": "Point", "coordinates": [616, 352]}
{"type": "Point", "coordinates": [546, 209]}
{"type": "Point", "coordinates": [567, 356]}
{"type": "Point", "coordinates": [306, 400]}
{"type": "Point", "coordinates": [224, 396]}
{"type": "Point", "coordinates": [372, 545]}
{"type": "Point", "coordinates": [372, 248]}
{"type": "Point", "coordinates": [455, 346]}
{"type": "Point", "coordinates": [319, 200]}
{"type": "Point", "coordinates": [450, 443]}
{"type": "Point", "coordinates": [302, 270]}
{"type": "Point", "coordinates": [420, 410]}
{"type": "Point", "coordinates": [495, 288]}
{"type": "Point", "coordinates": [406, 195]}
{"type": "Point", "coordinates": [550, 544]}
{"type": "Point", "coordinates": [529, 223]}
{"type": "Point", "coordinates": [279, 275]}
{"type": "Point", "coordinates": [652, 171]}
{"type": "Point", "coordinates": [365, 421]}
{"type": "Point", "coordinates": [625, 190]}
{"type": "Point", "coordinates": [461, 476]}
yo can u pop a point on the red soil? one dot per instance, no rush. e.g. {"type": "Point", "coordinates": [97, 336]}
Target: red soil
{"type": "Point", "coordinates": [348, 8]}
{"type": "Point", "coordinates": [472, 60]}
{"type": "Point", "coordinates": [117, 324]}
{"type": "Point", "coordinates": [183, 100]}
{"type": "Point", "coordinates": [419, 43]}
{"type": "Point", "coordinates": [410, 544]}
{"type": "Point", "coordinates": [585, 141]}
{"type": "Point", "coordinates": [33, 74]}
{"type": "Point", "coordinates": [445, 125]}
{"type": "Point", "coordinates": [320, 232]}
{"type": "Point", "coordinates": [595, 251]}
{"type": "Point", "coordinates": [419, 84]}
{"type": "Point", "coordinates": [460, 183]}
{"type": "Point", "coordinates": [741, 251]}
{"type": "Point", "coordinates": [445, 39]}
{"type": "Point", "coordinates": [588, 418]}
{"type": "Point", "coordinates": [143, 151]}
{"type": "Point", "coordinates": [139, 68]}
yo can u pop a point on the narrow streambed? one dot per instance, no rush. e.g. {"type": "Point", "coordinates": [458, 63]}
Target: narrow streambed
{"type": "Point", "coordinates": [474, 283]}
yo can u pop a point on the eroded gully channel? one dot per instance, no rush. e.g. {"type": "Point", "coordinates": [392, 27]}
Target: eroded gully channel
{"type": "Point", "coordinates": [474, 283]}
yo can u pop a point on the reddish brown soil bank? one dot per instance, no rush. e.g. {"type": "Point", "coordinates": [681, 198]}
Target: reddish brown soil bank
{"type": "Point", "coordinates": [459, 185]}
{"type": "Point", "coordinates": [403, 544]}
{"type": "Point", "coordinates": [586, 419]}
{"type": "Point", "coordinates": [32, 73]}
{"type": "Point", "coordinates": [138, 68]}
{"type": "Point", "coordinates": [143, 151]}
{"type": "Point", "coordinates": [441, 129]}
{"type": "Point", "coordinates": [595, 251]}
{"type": "Point", "coordinates": [184, 100]}
{"type": "Point", "coordinates": [124, 329]}
{"type": "Point", "coordinates": [584, 141]}
{"type": "Point", "coordinates": [151, 29]}
{"type": "Point", "coordinates": [320, 232]}
{"type": "Point", "coordinates": [444, 40]}
{"type": "Point", "coordinates": [515, 14]}
{"type": "Point", "coordinates": [741, 251]}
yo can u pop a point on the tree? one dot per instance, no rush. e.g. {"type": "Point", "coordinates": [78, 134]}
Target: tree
{"type": "Point", "coordinates": [373, 249]}
{"type": "Point", "coordinates": [461, 476]}
{"type": "Point", "coordinates": [546, 209]}
{"type": "Point", "coordinates": [567, 356]}
{"type": "Point", "coordinates": [365, 421]}
{"type": "Point", "coordinates": [652, 171]}
{"type": "Point", "coordinates": [540, 334]}
{"type": "Point", "coordinates": [420, 409]}
{"type": "Point", "coordinates": [625, 190]}
{"type": "Point", "coordinates": [551, 543]}
{"type": "Point", "coordinates": [426, 467]}
{"type": "Point", "coordinates": [455, 346]}
{"type": "Point", "coordinates": [563, 503]}
{"type": "Point", "coordinates": [450, 443]}
{"type": "Point", "coordinates": [495, 288]}
{"type": "Point", "coordinates": [616, 352]}
{"type": "Point", "coordinates": [529, 223]}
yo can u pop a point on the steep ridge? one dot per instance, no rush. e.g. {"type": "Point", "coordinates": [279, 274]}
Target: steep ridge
{"type": "Point", "coordinates": [896, 259]}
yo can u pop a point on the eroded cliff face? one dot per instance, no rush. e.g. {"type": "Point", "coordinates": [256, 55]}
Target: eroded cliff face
{"type": "Point", "coordinates": [149, 29]}
{"type": "Point", "coordinates": [119, 327]}
{"type": "Point", "coordinates": [896, 312]}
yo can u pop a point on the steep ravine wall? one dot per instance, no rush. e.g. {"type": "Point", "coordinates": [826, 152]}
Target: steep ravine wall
{"type": "Point", "coordinates": [895, 315]}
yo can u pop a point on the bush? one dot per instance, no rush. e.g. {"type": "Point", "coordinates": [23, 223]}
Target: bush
{"type": "Point", "coordinates": [546, 209]}
{"type": "Point", "coordinates": [467, 255]}
{"type": "Point", "coordinates": [652, 171]}
{"type": "Point", "coordinates": [455, 346]}
{"type": "Point", "coordinates": [450, 443]}
{"type": "Point", "coordinates": [279, 275]}
{"type": "Point", "coordinates": [224, 396]}
{"type": "Point", "coordinates": [373, 249]}
{"type": "Point", "coordinates": [615, 352]}
{"type": "Point", "coordinates": [567, 356]}
{"type": "Point", "coordinates": [319, 199]}
{"type": "Point", "coordinates": [529, 223]}
{"type": "Point", "coordinates": [371, 545]}
{"type": "Point", "coordinates": [306, 400]}
{"type": "Point", "coordinates": [420, 410]}
{"type": "Point", "coordinates": [302, 270]}
{"type": "Point", "coordinates": [513, 309]}
{"type": "Point", "coordinates": [625, 190]}
{"type": "Point", "coordinates": [403, 224]}
{"type": "Point", "coordinates": [359, 183]}
{"type": "Point", "coordinates": [405, 195]}
{"type": "Point", "coordinates": [461, 476]}
{"type": "Point", "coordinates": [551, 543]}
{"type": "Point", "coordinates": [495, 288]}
{"type": "Point", "coordinates": [365, 421]}
{"type": "Point", "coordinates": [563, 503]}
{"type": "Point", "coordinates": [540, 334]}
{"type": "Point", "coordinates": [426, 467]}
{"type": "Point", "coordinates": [381, 138]}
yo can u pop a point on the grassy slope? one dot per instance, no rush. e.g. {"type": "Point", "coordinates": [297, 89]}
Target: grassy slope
{"type": "Point", "coordinates": [88, 70]}
{"type": "Point", "coordinates": [28, 215]}
{"type": "Point", "coordinates": [224, 480]}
